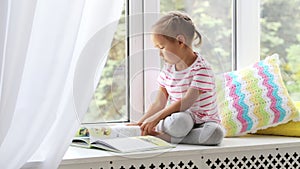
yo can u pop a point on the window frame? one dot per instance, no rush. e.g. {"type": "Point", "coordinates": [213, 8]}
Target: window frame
{"type": "Point", "coordinates": [247, 44]}
{"type": "Point", "coordinates": [142, 14]}
{"type": "Point", "coordinates": [135, 65]}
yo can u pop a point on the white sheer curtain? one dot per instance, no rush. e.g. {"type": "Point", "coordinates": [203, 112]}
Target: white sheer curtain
{"type": "Point", "coordinates": [50, 54]}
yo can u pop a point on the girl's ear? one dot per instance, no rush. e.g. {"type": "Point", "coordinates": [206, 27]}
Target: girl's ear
{"type": "Point", "coordinates": [181, 39]}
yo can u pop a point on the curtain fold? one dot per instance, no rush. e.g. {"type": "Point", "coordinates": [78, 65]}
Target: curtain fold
{"type": "Point", "coordinates": [50, 53]}
{"type": "Point", "coordinates": [16, 23]}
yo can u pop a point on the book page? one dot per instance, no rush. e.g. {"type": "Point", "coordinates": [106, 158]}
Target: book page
{"type": "Point", "coordinates": [81, 142]}
{"type": "Point", "coordinates": [133, 144]}
{"type": "Point", "coordinates": [114, 131]}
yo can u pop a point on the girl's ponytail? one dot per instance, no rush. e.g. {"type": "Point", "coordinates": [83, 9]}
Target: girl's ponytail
{"type": "Point", "coordinates": [199, 37]}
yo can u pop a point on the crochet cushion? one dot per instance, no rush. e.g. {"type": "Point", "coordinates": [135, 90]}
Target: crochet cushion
{"type": "Point", "coordinates": [255, 98]}
{"type": "Point", "coordinates": [291, 128]}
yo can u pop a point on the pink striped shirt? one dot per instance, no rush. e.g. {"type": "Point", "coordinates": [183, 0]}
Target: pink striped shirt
{"type": "Point", "coordinates": [198, 76]}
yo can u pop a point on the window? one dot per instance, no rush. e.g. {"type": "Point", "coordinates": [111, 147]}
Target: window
{"type": "Point", "coordinates": [280, 33]}
{"type": "Point", "coordinates": [109, 102]}
{"type": "Point", "coordinates": [235, 34]}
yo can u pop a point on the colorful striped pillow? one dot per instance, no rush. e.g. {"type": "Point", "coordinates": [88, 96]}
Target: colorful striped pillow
{"type": "Point", "coordinates": [255, 98]}
{"type": "Point", "coordinates": [291, 128]}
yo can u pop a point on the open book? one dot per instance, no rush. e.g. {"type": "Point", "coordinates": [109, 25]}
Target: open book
{"type": "Point", "coordinates": [118, 138]}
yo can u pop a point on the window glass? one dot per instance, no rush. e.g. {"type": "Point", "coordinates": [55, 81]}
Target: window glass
{"type": "Point", "coordinates": [109, 103]}
{"type": "Point", "coordinates": [213, 19]}
{"type": "Point", "coordinates": [280, 33]}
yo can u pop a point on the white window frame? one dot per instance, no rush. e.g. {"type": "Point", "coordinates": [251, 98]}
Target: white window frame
{"type": "Point", "coordinates": [135, 60]}
{"type": "Point", "coordinates": [247, 32]}
{"type": "Point", "coordinates": [143, 70]}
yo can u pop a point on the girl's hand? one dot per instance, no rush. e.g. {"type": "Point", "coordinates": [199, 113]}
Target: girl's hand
{"type": "Point", "coordinates": [133, 124]}
{"type": "Point", "coordinates": [139, 123]}
{"type": "Point", "coordinates": [148, 126]}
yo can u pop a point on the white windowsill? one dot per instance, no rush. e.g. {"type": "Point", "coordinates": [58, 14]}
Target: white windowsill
{"type": "Point", "coordinates": [76, 155]}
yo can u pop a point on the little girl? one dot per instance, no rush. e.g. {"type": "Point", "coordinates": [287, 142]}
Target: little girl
{"type": "Point", "coordinates": [185, 109]}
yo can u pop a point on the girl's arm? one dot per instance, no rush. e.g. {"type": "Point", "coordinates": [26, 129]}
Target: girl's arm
{"type": "Point", "coordinates": [181, 105]}
{"type": "Point", "coordinates": [159, 103]}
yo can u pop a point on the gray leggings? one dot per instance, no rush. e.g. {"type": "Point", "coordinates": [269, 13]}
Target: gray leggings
{"type": "Point", "coordinates": [181, 128]}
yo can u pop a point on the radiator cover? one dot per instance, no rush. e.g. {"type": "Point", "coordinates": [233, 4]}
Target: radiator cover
{"type": "Point", "coordinates": [257, 152]}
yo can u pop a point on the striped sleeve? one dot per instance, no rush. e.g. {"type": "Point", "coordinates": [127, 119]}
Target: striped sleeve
{"type": "Point", "coordinates": [162, 78]}
{"type": "Point", "coordinates": [203, 79]}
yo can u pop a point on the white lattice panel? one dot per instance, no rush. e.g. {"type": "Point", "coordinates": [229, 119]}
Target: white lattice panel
{"type": "Point", "coordinates": [283, 158]}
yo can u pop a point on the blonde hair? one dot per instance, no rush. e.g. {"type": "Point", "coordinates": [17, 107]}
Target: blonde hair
{"type": "Point", "coordinates": [177, 23]}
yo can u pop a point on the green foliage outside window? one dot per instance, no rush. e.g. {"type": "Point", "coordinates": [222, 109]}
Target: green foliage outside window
{"type": "Point", "coordinates": [280, 33]}
{"type": "Point", "coordinates": [109, 100]}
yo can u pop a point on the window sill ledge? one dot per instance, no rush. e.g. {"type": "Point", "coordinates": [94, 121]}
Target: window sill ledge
{"type": "Point", "coordinates": [255, 143]}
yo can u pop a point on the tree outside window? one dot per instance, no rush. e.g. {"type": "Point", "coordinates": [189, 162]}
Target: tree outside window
{"type": "Point", "coordinates": [280, 33]}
